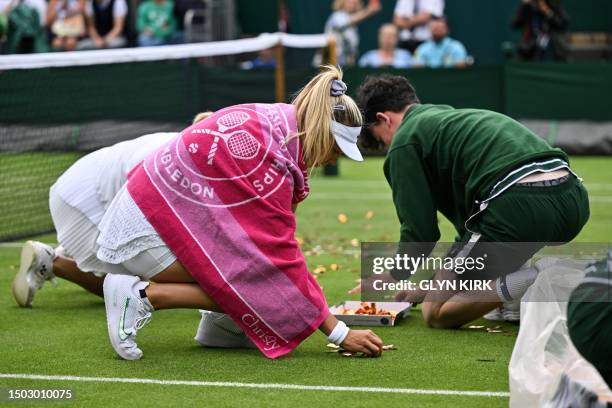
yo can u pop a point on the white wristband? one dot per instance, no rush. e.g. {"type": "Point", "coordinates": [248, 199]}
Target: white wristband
{"type": "Point", "coordinates": [339, 333]}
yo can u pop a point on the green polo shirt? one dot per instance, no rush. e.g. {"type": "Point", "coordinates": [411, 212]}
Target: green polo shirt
{"type": "Point", "coordinates": [445, 159]}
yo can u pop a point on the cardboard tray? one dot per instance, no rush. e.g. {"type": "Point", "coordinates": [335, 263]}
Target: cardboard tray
{"type": "Point", "coordinates": [402, 309]}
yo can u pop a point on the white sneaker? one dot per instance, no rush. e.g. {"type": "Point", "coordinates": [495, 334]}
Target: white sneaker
{"type": "Point", "coordinates": [509, 312]}
{"type": "Point", "coordinates": [126, 313]}
{"type": "Point", "coordinates": [219, 330]}
{"type": "Point", "coordinates": [36, 268]}
{"type": "Point", "coordinates": [495, 315]}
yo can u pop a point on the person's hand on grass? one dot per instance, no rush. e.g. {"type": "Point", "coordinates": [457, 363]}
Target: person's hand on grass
{"type": "Point", "coordinates": [363, 341]}
{"type": "Point", "coordinates": [413, 296]}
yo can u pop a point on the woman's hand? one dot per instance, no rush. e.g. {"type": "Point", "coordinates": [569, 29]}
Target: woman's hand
{"type": "Point", "coordinates": [363, 341]}
{"type": "Point", "coordinates": [374, 6]}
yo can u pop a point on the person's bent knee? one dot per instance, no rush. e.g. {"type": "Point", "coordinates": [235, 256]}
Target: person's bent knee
{"type": "Point", "coordinates": [434, 318]}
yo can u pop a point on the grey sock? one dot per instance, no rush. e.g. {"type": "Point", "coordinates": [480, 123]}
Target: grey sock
{"type": "Point", "coordinates": [513, 286]}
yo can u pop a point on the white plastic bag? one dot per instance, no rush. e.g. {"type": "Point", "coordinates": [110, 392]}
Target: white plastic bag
{"type": "Point", "coordinates": [543, 350]}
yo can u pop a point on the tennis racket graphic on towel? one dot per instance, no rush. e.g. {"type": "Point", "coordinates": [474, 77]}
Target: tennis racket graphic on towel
{"type": "Point", "coordinates": [241, 144]}
{"type": "Point", "coordinates": [232, 120]}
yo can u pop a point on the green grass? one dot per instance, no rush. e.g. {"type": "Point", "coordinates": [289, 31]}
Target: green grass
{"type": "Point", "coordinates": [65, 332]}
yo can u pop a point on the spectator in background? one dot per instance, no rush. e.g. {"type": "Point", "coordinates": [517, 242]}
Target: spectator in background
{"type": "Point", "coordinates": [22, 25]}
{"type": "Point", "coordinates": [156, 23]}
{"type": "Point", "coordinates": [441, 51]}
{"type": "Point", "coordinates": [266, 59]}
{"type": "Point", "coordinates": [544, 24]}
{"type": "Point", "coordinates": [387, 54]}
{"type": "Point", "coordinates": [67, 24]}
{"type": "Point", "coordinates": [412, 17]}
{"type": "Point", "coordinates": [105, 24]}
{"type": "Point", "coordinates": [342, 23]}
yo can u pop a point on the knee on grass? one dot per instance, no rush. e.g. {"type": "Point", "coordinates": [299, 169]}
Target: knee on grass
{"type": "Point", "coordinates": [435, 319]}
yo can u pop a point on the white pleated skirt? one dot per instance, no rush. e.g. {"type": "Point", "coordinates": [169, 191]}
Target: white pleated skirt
{"type": "Point", "coordinates": [78, 235]}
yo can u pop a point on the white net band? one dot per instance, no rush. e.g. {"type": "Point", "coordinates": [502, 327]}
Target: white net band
{"type": "Point", "coordinates": [166, 52]}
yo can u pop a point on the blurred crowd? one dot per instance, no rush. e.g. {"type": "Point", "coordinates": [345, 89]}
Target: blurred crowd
{"type": "Point", "coordinates": [28, 26]}
{"type": "Point", "coordinates": [418, 35]}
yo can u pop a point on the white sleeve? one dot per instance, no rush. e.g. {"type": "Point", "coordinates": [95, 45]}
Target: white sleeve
{"type": "Point", "coordinates": [3, 4]}
{"type": "Point", "coordinates": [119, 8]}
{"type": "Point", "coordinates": [435, 7]}
{"type": "Point", "coordinates": [329, 24]}
{"type": "Point", "coordinates": [404, 8]}
{"type": "Point", "coordinates": [337, 21]}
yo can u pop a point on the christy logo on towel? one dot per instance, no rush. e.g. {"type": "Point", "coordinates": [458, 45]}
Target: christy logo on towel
{"type": "Point", "coordinates": [260, 331]}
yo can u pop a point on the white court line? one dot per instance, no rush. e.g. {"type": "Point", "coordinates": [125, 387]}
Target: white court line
{"type": "Point", "coordinates": [346, 183]}
{"type": "Point", "coordinates": [598, 186]}
{"type": "Point", "coordinates": [383, 184]}
{"type": "Point", "coordinates": [388, 197]}
{"type": "Point", "coordinates": [351, 196]}
{"type": "Point", "coordinates": [11, 244]}
{"type": "Point", "coordinates": [225, 384]}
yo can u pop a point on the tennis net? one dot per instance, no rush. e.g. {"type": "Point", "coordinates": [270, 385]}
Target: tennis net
{"type": "Point", "coordinates": [56, 107]}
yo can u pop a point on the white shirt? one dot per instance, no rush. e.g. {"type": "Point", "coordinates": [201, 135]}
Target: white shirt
{"type": "Point", "coordinates": [347, 36]}
{"type": "Point", "coordinates": [119, 8]}
{"type": "Point", "coordinates": [409, 8]}
{"type": "Point", "coordinates": [91, 183]}
{"type": "Point", "coordinates": [65, 8]}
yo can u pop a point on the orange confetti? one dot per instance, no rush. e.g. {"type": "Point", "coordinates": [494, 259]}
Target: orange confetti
{"type": "Point", "coordinates": [319, 270]}
{"type": "Point", "coordinates": [370, 309]}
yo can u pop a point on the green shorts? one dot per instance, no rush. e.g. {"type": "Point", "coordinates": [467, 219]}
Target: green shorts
{"type": "Point", "coordinates": [589, 318]}
{"type": "Point", "coordinates": [523, 220]}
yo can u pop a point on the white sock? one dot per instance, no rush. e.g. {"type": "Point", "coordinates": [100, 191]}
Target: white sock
{"type": "Point", "coordinates": [139, 288]}
{"type": "Point", "coordinates": [513, 286]}
{"type": "Point", "coordinates": [60, 251]}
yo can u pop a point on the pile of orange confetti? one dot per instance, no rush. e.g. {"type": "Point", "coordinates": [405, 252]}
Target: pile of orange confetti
{"type": "Point", "coordinates": [368, 309]}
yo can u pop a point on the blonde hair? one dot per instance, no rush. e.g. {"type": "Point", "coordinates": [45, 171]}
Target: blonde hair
{"type": "Point", "coordinates": [315, 110]}
{"type": "Point", "coordinates": [388, 26]}
{"type": "Point", "coordinates": [202, 116]}
{"type": "Point", "coordinates": [339, 5]}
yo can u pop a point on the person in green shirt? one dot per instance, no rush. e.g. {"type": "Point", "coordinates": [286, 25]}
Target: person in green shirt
{"type": "Point", "coordinates": [505, 190]}
{"type": "Point", "coordinates": [156, 23]}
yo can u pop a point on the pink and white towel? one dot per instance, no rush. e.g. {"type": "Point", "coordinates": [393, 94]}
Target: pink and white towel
{"type": "Point", "coordinates": [220, 196]}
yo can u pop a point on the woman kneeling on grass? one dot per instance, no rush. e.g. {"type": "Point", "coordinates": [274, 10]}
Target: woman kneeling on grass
{"type": "Point", "coordinates": [77, 202]}
{"type": "Point", "coordinates": [209, 218]}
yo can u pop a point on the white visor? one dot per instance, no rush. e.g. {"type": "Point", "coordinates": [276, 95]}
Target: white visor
{"type": "Point", "coordinates": [346, 139]}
